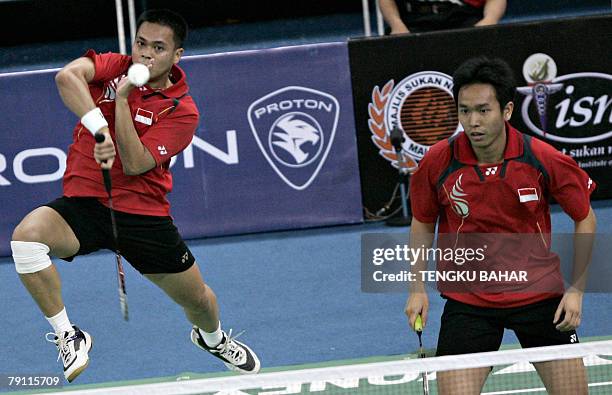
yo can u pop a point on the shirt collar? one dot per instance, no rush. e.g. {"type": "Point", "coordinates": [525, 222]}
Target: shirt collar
{"type": "Point", "coordinates": [464, 153]}
{"type": "Point", "coordinates": [178, 89]}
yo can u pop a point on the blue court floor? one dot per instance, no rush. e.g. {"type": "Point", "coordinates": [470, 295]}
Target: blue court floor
{"type": "Point", "coordinates": [297, 294]}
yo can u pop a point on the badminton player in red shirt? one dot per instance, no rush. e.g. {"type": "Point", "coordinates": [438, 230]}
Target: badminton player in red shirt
{"type": "Point", "coordinates": [146, 126]}
{"type": "Point", "coordinates": [492, 179]}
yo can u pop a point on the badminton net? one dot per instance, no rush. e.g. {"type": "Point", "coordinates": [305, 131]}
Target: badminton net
{"type": "Point", "coordinates": [512, 372]}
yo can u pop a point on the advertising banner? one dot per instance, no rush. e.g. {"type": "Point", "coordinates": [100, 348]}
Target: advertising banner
{"type": "Point", "coordinates": [275, 148]}
{"type": "Point", "coordinates": [563, 96]}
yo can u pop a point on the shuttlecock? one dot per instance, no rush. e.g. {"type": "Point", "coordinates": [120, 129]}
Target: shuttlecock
{"type": "Point", "coordinates": [138, 74]}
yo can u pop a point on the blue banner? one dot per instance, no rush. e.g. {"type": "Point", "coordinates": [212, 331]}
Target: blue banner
{"type": "Point", "coordinates": [275, 148]}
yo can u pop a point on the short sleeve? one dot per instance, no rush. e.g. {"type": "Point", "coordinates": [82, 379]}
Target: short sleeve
{"type": "Point", "coordinates": [424, 200]}
{"type": "Point", "coordinates": [172, 133]}
{"type": "Point", "coordinates": [569, 185]}
{"type": "Point", "coordinates": [108, 65]}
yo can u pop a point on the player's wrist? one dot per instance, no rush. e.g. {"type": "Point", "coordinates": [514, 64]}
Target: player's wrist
{"type": "Point", "coordinates": [121, 100]}
{"type": "Point", "coordinates": [575, 290]}
{"type": "Point", "coordinates": [398, 25]}
{"type": "Point", "coordinates": [94, 121]}
{"type": "Point", "coordinates": [417, 287]}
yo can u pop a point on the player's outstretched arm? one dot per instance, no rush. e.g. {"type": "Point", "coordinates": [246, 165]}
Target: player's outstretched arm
{"type": "Point", "coordinates": [72, 83]}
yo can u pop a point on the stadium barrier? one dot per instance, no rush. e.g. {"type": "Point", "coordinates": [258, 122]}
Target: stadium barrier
{"type": "Point", "coordinates": [563, 97]}
{"type": "Point", "coordinates": [250, 167]}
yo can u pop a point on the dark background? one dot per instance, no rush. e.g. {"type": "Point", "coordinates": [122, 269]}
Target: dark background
{"type": "Point", "coordinates": [35, 21]}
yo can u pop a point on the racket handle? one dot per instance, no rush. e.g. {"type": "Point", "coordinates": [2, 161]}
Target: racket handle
{"type": "Point", "coordinates": [418, 324]}
{"type": "Point", "coordinates": [107, 181]}
{"type": "Point", "coordinates": [105, 173]}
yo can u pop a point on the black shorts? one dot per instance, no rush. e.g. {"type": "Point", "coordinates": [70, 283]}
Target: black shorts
{"type": "Point", "coordinates": [468, 329]}
{"type": "Point", "coordinates": [150, 244]}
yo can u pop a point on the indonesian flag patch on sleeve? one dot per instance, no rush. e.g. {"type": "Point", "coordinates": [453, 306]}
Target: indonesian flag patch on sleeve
{"type": "Point", "coordinates": [527, 195]}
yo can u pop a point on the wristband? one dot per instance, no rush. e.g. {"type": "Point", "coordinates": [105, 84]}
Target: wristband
{"type": "Point", "coordinates": [94, 120]}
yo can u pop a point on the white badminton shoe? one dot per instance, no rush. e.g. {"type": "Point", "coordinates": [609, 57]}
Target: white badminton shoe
{"type": "Point", "coordinates": [235, 355]}
{"type": "Point", "coordinates": [73, 347]}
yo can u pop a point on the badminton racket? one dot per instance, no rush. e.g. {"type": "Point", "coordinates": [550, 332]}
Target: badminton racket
{"type": "Point", "coordinates": [120, 273]}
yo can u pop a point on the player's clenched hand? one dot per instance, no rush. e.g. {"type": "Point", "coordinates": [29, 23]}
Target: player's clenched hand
{"type": "Point", "coordinates": [417, 303]}
{"type": "Point", "coordinates": [124, 87]}
{"type": "Point", "coordinates": [104, 152]}
{"type": "Point", "coordinates": [571, 305]}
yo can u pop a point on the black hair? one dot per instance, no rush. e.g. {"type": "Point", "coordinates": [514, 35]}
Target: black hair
{"type": "Point", "coordinates": [166, 18]}
{"type": "Point", "coordinates": [495, 72]}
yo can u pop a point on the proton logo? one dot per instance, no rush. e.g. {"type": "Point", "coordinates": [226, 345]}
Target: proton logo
{"type": "Point", "coordinates": [539, 70]}
{"type": "Point", "coordinates": [294, 128]}
{"type": "Point", "coordinates": [422, 106]}
{"type": "Point", "coordinates": [296, 139]}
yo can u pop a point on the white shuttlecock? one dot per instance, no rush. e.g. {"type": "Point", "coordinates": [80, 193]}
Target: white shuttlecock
{"type": "Point", "coordinates": [138, 74]}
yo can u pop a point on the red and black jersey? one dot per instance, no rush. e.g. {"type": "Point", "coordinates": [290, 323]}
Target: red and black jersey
{"type": "Point", "coordinates": [165, 120]}
{"type": "Point", "coordinates": [508, 197]}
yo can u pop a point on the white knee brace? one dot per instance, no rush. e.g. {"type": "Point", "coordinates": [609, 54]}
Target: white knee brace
{"type": "Point", "coordinates": [30, 256]}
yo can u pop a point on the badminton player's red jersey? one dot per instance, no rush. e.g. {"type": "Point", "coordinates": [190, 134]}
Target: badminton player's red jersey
{"type": "Point", "coordinates": [511, 197]}
{"type": "Point", "coordinates": [165, 120]}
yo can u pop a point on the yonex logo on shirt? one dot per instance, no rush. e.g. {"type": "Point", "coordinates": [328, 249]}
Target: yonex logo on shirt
{"type": "Point", "coordinates": [162, 150]}
{"type": "Point", "coordinates": [491, 170]}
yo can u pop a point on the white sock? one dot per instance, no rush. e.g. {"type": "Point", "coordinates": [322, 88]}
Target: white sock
{"type": "Point", "coordinates": [60, 322]}
{"type": "Point", "coordinates": [212, 339]}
